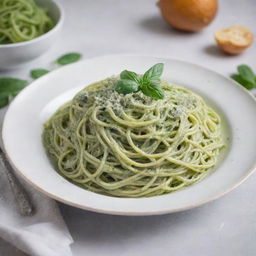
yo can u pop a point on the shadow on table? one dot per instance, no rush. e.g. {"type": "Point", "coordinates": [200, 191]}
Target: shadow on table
{"type": "Point", "coordinates": [214, 51]}
{"type": "Point", "coordinates": [96, 228]}
{"type": "Point", "coordinates": [157, 24]}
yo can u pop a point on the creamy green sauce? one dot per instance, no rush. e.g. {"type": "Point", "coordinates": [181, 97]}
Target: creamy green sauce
{"type": "Point", "coordinates": [132, 145]}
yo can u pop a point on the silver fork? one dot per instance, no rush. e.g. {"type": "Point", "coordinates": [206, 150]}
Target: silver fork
{"type": "Point", "coordinates": [23, 202]}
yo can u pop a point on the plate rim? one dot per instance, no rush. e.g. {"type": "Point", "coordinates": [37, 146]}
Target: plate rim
{"type": "Point", "coordinates": [124, 213]}
{"type": "Point", "coordinates": [120, 212]}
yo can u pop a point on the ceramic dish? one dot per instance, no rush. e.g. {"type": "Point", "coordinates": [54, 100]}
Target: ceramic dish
{"type": "Point", "coordinates": [15, 54]}
{"type": "Point", "coordinates": [24, 120]}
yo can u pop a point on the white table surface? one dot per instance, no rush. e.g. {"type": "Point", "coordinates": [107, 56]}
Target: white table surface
{"type": "Point", "coordinates": [223, 227]}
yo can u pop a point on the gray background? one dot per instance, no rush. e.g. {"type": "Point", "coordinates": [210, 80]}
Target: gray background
{"type": "Point", "coordinates": [223, 227]}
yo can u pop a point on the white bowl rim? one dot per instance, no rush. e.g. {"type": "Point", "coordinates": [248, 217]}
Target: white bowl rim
{"type": "Point", "coordinates": [45, 35]}
{"type": "Point", "coordinates": [153, 212]}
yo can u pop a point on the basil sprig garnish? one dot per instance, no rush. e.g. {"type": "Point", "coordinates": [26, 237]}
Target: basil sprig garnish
{"type": "Point", "coordinates": [153, 90]}
{"type": "Point", "coordinates": [154, 73]}
{"type": "Point", "coordinates": [129, 75]}
{"type": "Point", "coordinates": [126, 86]}
{"type": "Point", "coordinates": [245, 77]}
{"type": "Point", "coordinates": [148, 83]}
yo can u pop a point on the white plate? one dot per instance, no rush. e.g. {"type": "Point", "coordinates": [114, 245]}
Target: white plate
{"type": "Point", "coordinates": [24, 120]}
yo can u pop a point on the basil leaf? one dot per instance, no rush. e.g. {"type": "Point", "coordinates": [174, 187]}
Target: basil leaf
{"type": "Point", "coordinates": [129, 75]}
{"type": "Point", "coordinates": [11, 85]}
{"type": "Point", "coordinates": [153, 90]}
{"type": "Point", "coordinates": [36, 73]}
{"type": "Point", "coordinates": [125, 86]}
{"type": "Point", "coordinates": [69, 58]}
{"type": "Point", "coordinates": [149, 83]}
{"type": "Point", "coordinates": [154, 72]}
{"type": "Point", "coordinates": [238, 78]}
{"type": "Point", "coordinates": [4, 100]}
{"type": "Point", "coordinates": [246, 73]}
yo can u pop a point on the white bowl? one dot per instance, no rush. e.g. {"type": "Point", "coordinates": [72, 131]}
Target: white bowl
{"type": "Point", "coordinates": [16, 54]}
{"type": "Point", "coordinates": [23, 125]}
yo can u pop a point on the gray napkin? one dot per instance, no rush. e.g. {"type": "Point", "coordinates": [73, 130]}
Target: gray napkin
{"type": "Point", "coordinates": [43, 234]}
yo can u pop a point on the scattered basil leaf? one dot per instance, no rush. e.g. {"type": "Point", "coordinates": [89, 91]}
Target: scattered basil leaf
{"type": "Point", "coordinates": [11, 85]}
{"type": "Point", "coordinates": [152, 90]}
{"type": "Point", "coordinates": [36, 73]}
{"type": "Point", "coordinates": [240, 80]}
{"type": "Point", "coordinates": [154, 72]}
{"type": "Point", "coordinates": [69, 58]}
{"type": "Point", "coordinates": [126, 86]}
{"type": "Point", "coordinates": [245, 77]}
{"type": "Point", "coordinates": [129, 75]}
{"type": "Point", "coordinates": [246, 73]}
{"type": "Point", "coordinates": [4, 100]}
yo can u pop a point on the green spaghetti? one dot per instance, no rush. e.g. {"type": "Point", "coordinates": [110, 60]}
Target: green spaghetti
{"type": "Point", "coordinates": [22, 20]}
{"type": "Point", "coordinates": [132, 145]}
